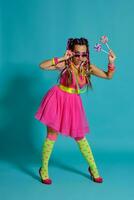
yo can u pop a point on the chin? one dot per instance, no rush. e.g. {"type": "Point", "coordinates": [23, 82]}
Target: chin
{"type": "Point", "coordinates": [78, 62]}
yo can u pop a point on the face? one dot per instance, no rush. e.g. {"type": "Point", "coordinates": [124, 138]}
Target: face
{"type": "Point", "coordinates": [80, 54]}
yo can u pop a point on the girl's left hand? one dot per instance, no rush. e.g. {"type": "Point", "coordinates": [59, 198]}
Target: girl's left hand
{"type": "Point", "coordinates": [111, 56]}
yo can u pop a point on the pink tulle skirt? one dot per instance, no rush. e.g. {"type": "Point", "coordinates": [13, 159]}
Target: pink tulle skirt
{"type": "Point", "coordinates": [63, 112]}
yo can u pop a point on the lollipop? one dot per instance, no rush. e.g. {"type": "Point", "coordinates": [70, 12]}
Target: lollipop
{"type": "Point", "coordinates": [98, 48]}
{"type": "Point", "coordinates": [104, 40]}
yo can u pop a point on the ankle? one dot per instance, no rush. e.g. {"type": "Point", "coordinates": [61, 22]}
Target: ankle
{"type": "Point", "coordinates": [52, 137]}
{"type": "Point", "coordinates": [94, 172]}
{"type": "Point", "coordinates": [44, 173]}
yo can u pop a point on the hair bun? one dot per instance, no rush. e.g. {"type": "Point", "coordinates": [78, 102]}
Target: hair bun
{"type": "Point", "coordinates": [69, 43]}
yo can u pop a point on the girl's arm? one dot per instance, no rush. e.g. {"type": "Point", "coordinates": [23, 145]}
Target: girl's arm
{"type": "Point", "coordinates": [61, 62]}
{"type": "Point", "coordinates": [47, 65]}
{"type": "Point", "coordinates": [103, 74]}
{"type": "Point", "coordinates": [100, 73]}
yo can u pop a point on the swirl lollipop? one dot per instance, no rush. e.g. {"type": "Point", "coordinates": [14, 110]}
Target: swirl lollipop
{"type": "Point", "coordinates": [104, 40]}
{"type": "Point", "coordinates": [98, 48]}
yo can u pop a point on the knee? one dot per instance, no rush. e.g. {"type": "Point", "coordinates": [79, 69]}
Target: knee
{"type": "Point", "coordinates": [51, 133]}
{"type": "Point", "coordinates": [78, 138]}
{"type": "Point", "coordinates": [52, 136]}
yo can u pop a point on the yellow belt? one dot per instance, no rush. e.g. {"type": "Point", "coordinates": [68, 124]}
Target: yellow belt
{"type": "Point", "coordinates": [68, 89]}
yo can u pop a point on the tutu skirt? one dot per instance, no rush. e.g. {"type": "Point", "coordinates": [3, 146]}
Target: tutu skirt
{"type": "Point", "coordinates": [63, 112]}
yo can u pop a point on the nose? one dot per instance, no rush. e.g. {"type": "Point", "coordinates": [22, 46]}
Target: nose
{"type": "Point", "coordinates": [80, 57]}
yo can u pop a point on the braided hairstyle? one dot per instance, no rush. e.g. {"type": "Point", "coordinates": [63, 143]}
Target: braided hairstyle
{"type": "Point", "coordinates": [70, 46]}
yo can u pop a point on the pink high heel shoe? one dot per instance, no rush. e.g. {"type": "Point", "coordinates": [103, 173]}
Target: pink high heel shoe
{"type": "Point", "coordinates": [98, 179]}
{"type": "Point", "coordinates": [45, 181]}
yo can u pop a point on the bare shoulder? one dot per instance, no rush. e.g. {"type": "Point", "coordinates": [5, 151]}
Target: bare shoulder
{"type": "Point", "coordinates": [91, 68]}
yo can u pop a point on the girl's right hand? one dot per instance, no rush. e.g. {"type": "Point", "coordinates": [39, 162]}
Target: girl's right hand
{"type": "Point", "coordinates": [68, 54]}
{"type": "Point", "coordinates": [111, 56]}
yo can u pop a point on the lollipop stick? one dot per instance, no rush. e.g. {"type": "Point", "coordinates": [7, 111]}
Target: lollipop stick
{"type": "Point", "coordinates": [107, 46]}
{"type": "Point", "coordinates": [104, 51]}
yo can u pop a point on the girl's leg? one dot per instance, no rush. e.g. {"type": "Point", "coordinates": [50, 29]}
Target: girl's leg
{"type": "Point", "coordinates": [47, 150]}
{"type": "Point", "coordinates": [87, 153]}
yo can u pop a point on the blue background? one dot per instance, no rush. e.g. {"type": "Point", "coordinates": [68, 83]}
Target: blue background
{"type": "Point", "coordinates": [33, 31]}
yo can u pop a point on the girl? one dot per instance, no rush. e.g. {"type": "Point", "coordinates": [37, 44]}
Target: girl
{"type": "Point", "coordinates": [61, 108]}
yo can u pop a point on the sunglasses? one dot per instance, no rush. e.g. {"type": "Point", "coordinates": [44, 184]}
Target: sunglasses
{"type": "Point", "coordinates": [78, 54]}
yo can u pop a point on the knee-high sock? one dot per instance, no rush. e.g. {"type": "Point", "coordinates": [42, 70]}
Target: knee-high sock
{"type": "Point", "coordinates": [87, 153]}
{"type": "Point", "coordinates": [46, 153]}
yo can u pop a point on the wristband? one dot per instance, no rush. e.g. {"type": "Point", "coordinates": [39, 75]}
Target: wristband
{"type": "Point", "coordinates": [111, 67]}
{"type": "Point", "coordinates": [54, 61]}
